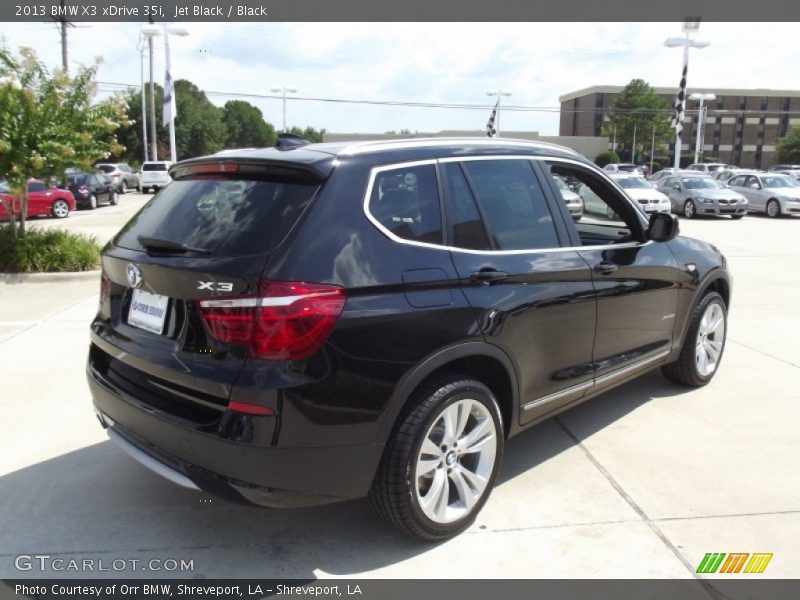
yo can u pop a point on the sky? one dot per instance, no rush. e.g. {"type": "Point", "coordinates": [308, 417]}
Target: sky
{"type": "Point", "coordinates": [424, 62]}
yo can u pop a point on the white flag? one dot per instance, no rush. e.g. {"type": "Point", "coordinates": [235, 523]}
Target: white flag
{"type": "Point", "coordinates": [170, 110]}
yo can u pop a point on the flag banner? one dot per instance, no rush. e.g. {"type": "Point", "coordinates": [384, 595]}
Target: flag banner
{"type": "Point", "coordinates": [170, 109]}
{"type": "Point", "coordinates": [491, 130]}
{"type": "Point", "coordinates": [680, 102]}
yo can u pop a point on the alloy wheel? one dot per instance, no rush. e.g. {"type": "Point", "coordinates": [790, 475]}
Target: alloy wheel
{"type": "Point", "coordinates": [455, 461]}
{"type": "Point", "coordinates": [773, 210]}
{"type": "Point", "coordinates": [710, 339]}
{"type": "Point", "coordinates": [60, 209]}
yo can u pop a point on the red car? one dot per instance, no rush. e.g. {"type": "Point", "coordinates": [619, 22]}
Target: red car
{"type": "Point", "coordinates": [43, 200]}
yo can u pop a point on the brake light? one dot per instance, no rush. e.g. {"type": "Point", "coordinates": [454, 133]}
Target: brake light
{"type": "Point", "coordinates": [250, 409]}
{"type": "Point", "coordinates": [287, 321]}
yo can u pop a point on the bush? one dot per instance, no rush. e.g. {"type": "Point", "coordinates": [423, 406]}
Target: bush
{"type": "Point", "coordinates": [605, 158]}
{"type": "Point", "coordinates": [47, 250]}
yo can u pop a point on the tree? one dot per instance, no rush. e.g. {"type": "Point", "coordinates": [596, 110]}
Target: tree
{"type": "Point", "coordinates": [199, 129]}
{"type": "Point", "coordinates": [130, 134]}
{"type": "Point", "coordinates": [48, 123]}
{"type": "Point", "coordinates": [309, 133]}
{"type": "Point", "coordinates": [788, 147]}
{"type": "Point", "coordinates": [605, 158]}
{"type": "Point", "coordinates": [245, 126]}
{"type": "Point", "coordinates": [638, 106]}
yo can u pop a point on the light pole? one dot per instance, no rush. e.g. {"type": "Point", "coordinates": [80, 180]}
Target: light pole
{"type": "Point", "coordinates": [701, 121]}
{"type": "Point", "coordinates": [144, 108]}
{"type": "Point", "coordinates": [497, 93]}
{"type": "Point", "coordinates": [170, 107]}
{"type": "Point", "coordinates": [686, 42]}
{"type": "Point", "coordinates": [283, 89]}
{"type": "Point", "coordinates": [150, 31]}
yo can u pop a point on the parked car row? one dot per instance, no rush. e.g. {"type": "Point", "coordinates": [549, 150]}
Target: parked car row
{"type": "Point", "coordinates": [153, 175]}
{"type": "Point", "coordinates": [43, 201]}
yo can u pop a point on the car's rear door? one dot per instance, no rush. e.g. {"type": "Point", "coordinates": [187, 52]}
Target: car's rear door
{"type": "Point", "coordinates": [533, 298]}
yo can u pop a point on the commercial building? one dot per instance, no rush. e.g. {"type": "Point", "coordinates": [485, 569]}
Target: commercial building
{"type": "Point", "coordinates": [742, 126]}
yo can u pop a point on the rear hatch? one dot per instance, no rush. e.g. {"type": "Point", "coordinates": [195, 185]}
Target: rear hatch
{"type": "Point", "coordinates": [203, 241]}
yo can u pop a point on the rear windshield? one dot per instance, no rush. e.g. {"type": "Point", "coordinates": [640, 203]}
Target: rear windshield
{"type": "Point", "coordinates": [78, 179]}
{"type": "Point", "coordinates": [225, 217]}
{"type": "Point", "coordinates": [106, 168]}
{"type": "Point", "coordinates": [154, 167]}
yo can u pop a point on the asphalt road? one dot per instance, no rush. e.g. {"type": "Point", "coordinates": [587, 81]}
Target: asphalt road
{"type": "Point", "coordinates": [638, 483]}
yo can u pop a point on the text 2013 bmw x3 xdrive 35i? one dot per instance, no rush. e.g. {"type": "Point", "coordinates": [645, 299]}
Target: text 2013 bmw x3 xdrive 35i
{"type": "Point", "coordinates": [297, 327]}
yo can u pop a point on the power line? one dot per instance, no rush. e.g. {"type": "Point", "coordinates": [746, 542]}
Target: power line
{"type": "Point", "coordinates": [115, 86]}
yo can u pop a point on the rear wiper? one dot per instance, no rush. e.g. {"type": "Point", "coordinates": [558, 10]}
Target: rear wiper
{"type": "Point", "coordinates": [161, 245]}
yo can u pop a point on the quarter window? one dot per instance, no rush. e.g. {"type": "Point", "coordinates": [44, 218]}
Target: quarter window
{"type": "Point", "coordinates": [405, 201]}
{"type": "Point", "coordinates": [512, 203]}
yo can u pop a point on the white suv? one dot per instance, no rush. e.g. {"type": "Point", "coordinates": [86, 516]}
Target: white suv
{"type": "Point", "coordinates": [154, 174]}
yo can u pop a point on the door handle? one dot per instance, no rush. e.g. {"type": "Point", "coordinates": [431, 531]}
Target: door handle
{"type": "Point", "coordinates": [487, 276]}
{"type": "Point", "coordinates": [605, 268]}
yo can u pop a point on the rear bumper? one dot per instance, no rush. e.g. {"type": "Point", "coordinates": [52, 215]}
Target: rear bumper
{"type": "Point", "coordinates": [265, 476]}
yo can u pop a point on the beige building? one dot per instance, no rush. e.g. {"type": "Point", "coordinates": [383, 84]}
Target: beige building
{"type": "Point", "coordinates": [589, 146]}
{"type": "Point", "coordinates": [742, 126]}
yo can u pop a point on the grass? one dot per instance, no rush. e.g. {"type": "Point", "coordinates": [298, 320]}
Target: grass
{"type": "Point", "coordinates": [47, 251]}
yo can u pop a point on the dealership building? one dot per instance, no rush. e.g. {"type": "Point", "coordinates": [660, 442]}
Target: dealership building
{"type": "Point", "coordinates": [742, 126]}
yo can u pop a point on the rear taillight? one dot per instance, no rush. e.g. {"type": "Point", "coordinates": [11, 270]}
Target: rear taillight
{"type": "Point", "coordinates": [287, 321]}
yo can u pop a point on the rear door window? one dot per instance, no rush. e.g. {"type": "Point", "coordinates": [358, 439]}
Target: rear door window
{"type": "Point", "coordinates": [154, 167]}
{"type": "Point", "coordinates": [405, 201]}
{"type": "Point", "coordinates": [468, 229]}
{"type": "Point", "coordinates": [224, 217]}
{"type": "Point", "coordinates": [513, 204]}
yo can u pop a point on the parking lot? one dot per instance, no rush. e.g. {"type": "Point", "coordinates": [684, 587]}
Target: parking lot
{"type": "Point", "coordinates": [641, 482]}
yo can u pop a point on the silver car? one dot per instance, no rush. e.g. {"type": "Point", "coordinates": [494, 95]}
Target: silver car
{"type": "Point", "coordinates": [693, 194]}
{"type": "Point", "coordinates": [571, 199]}
{"type": "Point", "coordinates": [642, 192]}
{"type": "Point", "coordinates": [771, 193]}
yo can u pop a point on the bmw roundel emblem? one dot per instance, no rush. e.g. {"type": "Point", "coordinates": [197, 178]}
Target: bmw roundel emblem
{"type": "Point", "coordinates": [134, 276]}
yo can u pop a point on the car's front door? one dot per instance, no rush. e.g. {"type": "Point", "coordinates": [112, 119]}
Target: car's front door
{"type": "Point", "coordinates": [39, 198]}
{"type": "Point", "coordinates": [533, 297]}
{"type": "Point", "coordinates": [755, 194]}
{"type": "Point", "coordinates": [635, 281]}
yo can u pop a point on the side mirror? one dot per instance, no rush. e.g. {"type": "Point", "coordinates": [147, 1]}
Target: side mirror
{"type": "Point", "coordinates": [663, 227]}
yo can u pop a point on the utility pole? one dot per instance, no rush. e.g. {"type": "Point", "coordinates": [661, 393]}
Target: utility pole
{"type": "Point", "coordinates": [64, 23]}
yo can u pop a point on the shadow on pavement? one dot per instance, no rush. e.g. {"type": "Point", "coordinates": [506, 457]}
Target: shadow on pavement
{"type": "Point", "coordinates": [97, 503]}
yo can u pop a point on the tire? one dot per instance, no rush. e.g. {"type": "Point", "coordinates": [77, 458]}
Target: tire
{"type": "Point", "coordinates": [689, 209]}
{"type": "Point", "coordinates": [123, 189]}
{"type": "Point", "coordinates": [773, 209]}
{"type": "Point", "coordinates": [139, 189]}
{"type": "Point", "coordinates": [92, 201]}
{"type": "Point", "coordinates": [60, 209]}
{"type": "Point", "coordinates": [688, 369]}
{"type": "Point", "coordinates": [398, 493]}
{"type": "Point", "coordinates": [113, 199]}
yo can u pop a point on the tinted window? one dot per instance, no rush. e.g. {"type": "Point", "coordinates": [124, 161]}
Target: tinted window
{"type": "Point", "coordinates": [513, 204]}
{"type": "Point", "coordinates": [106, 168]}
{"type": "Point", "coordinates": [405, 201]}
{"type": "Point", "coordinates": [154, 167]}
{"type": "Point", "coordinates": [36, 186]}
{"type": "Point", "coordinates": [468, 229]}
{"type": "Point", "coordinates": [78, 180]}
{"type": "Point", "coordinates": [227, 217]}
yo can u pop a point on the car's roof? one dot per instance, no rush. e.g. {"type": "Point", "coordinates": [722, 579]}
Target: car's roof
{"type": "Point", "coordinates": [446, 146]}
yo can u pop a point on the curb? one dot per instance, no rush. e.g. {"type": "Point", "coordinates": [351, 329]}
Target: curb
{"type": "Point", "coordinates": [16, 278]}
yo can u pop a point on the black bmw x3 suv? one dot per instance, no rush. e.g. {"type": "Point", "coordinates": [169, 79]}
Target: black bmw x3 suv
{"type": "Point", "coordinates": [298, 327]}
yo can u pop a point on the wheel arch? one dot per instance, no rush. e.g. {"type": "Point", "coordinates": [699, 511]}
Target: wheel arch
{"type": "Point", "coordinates": [716, 280]}
{"type": "Point", "coordinates": [485, 362]}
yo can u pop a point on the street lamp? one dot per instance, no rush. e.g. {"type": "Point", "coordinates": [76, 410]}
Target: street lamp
{"type": "Point", "coordinates": [689, 26]}
{"type": "Point", "coordinates": [150, 31]}
{"type": "Point", "coordinates": [497, 93]}
{"type": "Point", "coordinates": [283, 89]}
{"type": "Point", "coordinates": [701, 121]}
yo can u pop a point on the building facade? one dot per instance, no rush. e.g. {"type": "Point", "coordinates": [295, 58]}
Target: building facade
{"type": "Point", "coordinates": [742, 126]}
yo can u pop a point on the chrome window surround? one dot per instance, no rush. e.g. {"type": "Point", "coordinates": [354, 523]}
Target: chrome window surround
{"type": "Point", "coordinates": [451, 159]}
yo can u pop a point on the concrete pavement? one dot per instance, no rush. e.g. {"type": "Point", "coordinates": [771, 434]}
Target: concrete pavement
{"type": "Point", "coordinates": [640, 482]}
